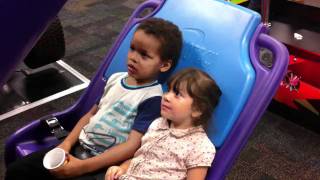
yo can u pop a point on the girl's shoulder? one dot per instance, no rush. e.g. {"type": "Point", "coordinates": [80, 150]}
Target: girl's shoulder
{"type": "Point", "coordinates": [159, 123]}
{"type": "Point", "coordinates": [203, 141]}
{"type": "Point", "coordinates": [201, 152]}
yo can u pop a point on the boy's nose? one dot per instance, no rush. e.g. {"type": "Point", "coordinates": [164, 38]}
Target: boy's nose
{"type": "Point", "coordinates": [133, 56]}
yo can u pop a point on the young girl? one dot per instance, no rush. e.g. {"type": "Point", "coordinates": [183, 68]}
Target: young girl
{"type": "Point", "coordinates": [176, 145]}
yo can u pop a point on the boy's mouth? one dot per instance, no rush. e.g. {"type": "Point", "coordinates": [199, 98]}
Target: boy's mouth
{"type": "Point", "coordinates": [131, 69]}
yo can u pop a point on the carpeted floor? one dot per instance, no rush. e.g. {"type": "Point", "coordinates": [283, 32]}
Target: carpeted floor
{"type": "Point", "coordinates": [277, 149]}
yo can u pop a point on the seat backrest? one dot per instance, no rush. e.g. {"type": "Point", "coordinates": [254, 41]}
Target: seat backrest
{"type": "Point", "coordinates": [216, 40]}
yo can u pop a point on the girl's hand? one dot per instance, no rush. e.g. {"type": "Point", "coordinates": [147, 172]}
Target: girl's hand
{"type": "Point", "coordinates": [114, 172]}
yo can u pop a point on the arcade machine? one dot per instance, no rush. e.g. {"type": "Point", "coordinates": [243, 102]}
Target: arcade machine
{"type": "Point", "coordinates": [32, 71]}
{"type": "Point", "coordinates": [296, 23]}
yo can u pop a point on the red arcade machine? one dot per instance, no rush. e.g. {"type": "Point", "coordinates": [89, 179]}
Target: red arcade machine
{"type": "Point", "coordinates": [296, 23]}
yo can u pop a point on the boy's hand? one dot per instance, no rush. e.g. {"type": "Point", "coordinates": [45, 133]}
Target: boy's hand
{"type": "Point", "coordinates": [65, 146]}
{"type": "Point", "coordinates": [114, 172]}
{"type": "Point", "coordinates": [72, 168]}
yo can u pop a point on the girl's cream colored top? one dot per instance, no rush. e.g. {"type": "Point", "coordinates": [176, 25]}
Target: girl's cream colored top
{"type": "Point", "coordinates": [168, 153]}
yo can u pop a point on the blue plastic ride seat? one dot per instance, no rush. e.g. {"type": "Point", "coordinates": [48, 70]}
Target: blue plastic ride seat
{"type": "Point", "coordinates": [220, 38]}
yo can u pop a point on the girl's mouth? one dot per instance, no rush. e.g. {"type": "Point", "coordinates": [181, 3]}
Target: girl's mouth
{"type": "Point", "coordinates": [165, 107]}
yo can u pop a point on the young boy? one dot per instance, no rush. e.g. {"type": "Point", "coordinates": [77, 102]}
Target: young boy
{"type": "Point", "coordinates": [111, 131]}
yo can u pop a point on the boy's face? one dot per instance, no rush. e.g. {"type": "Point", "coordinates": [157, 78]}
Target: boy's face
{"type": "Point", "coordinates": [144, 61]}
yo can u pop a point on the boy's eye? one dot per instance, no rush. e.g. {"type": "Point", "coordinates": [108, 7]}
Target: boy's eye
{"type": "Point", "coordinates": [132, 48]}
{"type": "Point", "coordinates": [144, 54]}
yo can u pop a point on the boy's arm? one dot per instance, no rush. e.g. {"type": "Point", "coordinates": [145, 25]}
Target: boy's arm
{"type": "Point", "coordinates": [148, 111]}
{"type": "Point", "coordinates": [115, 154]}
{"type": "Point", "coordinates": [73, 136]}
{"type": "Point", "coordinates": [197, 173]}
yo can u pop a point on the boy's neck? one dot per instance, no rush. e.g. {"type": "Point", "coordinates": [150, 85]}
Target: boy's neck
{"type": "Point", "coordinates": [134, 82]}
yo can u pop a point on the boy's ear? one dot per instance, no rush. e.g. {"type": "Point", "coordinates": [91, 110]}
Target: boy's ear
{"type": "Point", "coordinates": [166, 65]}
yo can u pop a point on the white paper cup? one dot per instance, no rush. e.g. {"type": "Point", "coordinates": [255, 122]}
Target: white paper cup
{"type": "Point", "coordinates": [54, 158]}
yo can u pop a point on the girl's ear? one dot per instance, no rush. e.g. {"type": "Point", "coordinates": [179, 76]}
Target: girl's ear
{"type": "Point", "coordinates": [195, 114]}
{"type": "Point", "coordinates": [165, 65]}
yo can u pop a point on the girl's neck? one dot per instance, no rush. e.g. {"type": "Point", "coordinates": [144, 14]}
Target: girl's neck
{"type": "Point", "coordinates": [183, 125]}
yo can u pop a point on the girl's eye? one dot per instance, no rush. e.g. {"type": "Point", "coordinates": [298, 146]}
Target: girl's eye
{"type": "Point", "coordinates": [132, 48]}
{"type": "Point", "coordinates": [178, 93]}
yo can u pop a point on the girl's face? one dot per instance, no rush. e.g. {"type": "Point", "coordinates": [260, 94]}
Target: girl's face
{"type": "Point", "coordinates": [177, 107]}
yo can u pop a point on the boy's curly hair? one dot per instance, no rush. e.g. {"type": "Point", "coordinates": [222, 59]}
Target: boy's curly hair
{"type": "Point", "coordinates": [169, 35]}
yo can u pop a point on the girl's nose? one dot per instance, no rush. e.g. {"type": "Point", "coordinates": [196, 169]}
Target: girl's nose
{"type": "Point", "coordinates": [166, 96]}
